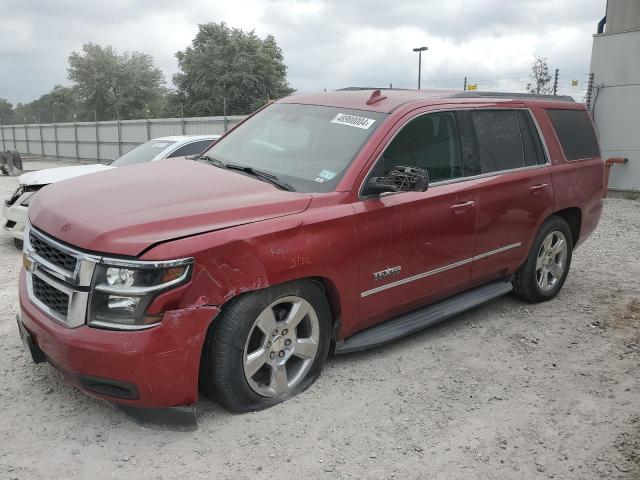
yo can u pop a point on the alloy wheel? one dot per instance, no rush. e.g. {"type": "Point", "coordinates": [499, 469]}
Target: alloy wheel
{"type": "Point", "coordinates": [551, 261]}
{"type": "Point", "coordinates": [281, 347]}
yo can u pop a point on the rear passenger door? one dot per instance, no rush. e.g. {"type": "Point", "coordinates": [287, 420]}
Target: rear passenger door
{"type": "Point", "coordinates": [514, 189]}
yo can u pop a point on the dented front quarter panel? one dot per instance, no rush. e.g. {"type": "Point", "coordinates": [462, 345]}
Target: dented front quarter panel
{"type": "Point", "coordinates": [318, 243]}
{"type": "Point", "coordinates": [163, 362]}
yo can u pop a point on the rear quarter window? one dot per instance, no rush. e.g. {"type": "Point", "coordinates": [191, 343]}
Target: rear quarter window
{"type": "Point", "coordinates": [575, 132]}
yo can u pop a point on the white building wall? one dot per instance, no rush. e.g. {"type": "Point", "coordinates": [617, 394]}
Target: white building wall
{"type": "Point", "coordinates": [615, 63]}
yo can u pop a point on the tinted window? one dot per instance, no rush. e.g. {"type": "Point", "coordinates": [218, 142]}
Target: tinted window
{"type": "Point", "coordinates": [575, 132]}
{"type": "Point", "coordinates": [193, 148]}
{"type": "Point", "coordinates": [498, 140]}
{"type": "Point", "coordinates": [531, 145]}
{"type": "Point", "coordinates": [430, 142]}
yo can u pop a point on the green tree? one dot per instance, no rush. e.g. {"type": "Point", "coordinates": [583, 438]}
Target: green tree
{"type": "Point", "coordinates": [110, 83]}
{"type": "Point", "coordinates": [60, 105]}
{"type": "Point", "coordinates": [228, 67]}
{"type": "Point", "coordinates": [6, 112]}
{"type": "Point", "coordinates": [540, 78]}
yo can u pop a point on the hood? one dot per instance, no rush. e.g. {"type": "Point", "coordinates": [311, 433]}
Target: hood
{"type": "Point", "coordinates": [126, 210]}
{"type": "Point", "coordinates": [52, 175]}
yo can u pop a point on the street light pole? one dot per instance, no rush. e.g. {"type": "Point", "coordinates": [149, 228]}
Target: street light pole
{"type": "Point", "coordinates": [420, 50]}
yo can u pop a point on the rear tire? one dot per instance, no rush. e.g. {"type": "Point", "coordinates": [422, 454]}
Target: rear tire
{"type": "Point", "coordinates": [266, 346]}
{"type": "Point", "coordinates": [545, 270]}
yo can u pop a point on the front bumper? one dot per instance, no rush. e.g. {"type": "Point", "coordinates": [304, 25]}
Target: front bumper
{"type": "Point", "coordinates": [15, 219]}
{"type": "Point", "coordinates": [153, 368]}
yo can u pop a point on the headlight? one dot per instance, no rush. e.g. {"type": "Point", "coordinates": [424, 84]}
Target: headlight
{"type": "Point", "coordinates": [122, 291]}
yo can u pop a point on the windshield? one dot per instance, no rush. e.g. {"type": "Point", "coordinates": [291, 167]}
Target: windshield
{"type": "Point", "coordinates": [307, 146]}
{"type": "Point", "coordinates": [142, 153]}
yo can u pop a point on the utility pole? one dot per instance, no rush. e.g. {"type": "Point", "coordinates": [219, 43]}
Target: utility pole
{"type": "Point", "coordinates": [555, 82]}
{"type": "Point", "coordinates": [465, 84]}
{"type": "Point", "coordinates": [587, 97]}
{"type": "Point", "coordinates": [182, 125]}
{"type": "Point", "coordinates": [224, 113]}
{"type": "Point", "coordinates": [420, 50]}
{"type": "Point", "coordinates": [95, 118]}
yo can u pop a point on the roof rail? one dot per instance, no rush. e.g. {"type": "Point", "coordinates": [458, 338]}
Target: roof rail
{"type": "Point", "coordinates": [355, 89]}
{"type": "Point", "coordinates": [531, 96]}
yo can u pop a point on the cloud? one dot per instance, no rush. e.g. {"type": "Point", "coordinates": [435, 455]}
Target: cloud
{"type": "Point", "coordinates": [326, 44]}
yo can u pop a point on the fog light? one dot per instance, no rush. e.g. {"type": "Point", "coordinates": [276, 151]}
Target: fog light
{"type": "Point", "coordinates": [124, 304]}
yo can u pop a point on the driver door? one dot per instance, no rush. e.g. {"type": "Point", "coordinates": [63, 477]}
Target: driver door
{"type": "Point", "coordinates": [416, 247]}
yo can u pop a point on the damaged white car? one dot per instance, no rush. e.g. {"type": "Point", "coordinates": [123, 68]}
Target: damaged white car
{"type": "Point", "coordinates": [15, 208]}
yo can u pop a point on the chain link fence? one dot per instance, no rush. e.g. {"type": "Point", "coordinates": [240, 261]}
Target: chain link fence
{"type": "Point", "coordinates": [103, 141]}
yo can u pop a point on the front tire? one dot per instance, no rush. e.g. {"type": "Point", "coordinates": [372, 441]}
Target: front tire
{"type": "Point", "coordinates": [545, 270]}
{"type": "Point", "coordinates": [18, 243]}
{"type": "Point", "coordinates": [266, 346]}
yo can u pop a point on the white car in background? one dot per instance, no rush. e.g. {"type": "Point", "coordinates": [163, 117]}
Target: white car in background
{"type": "Point", "coordinates": [15, 208]}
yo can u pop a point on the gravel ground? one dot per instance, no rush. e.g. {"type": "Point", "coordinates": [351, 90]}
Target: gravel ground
{"type": "Point", "coordinates": [506, 391]}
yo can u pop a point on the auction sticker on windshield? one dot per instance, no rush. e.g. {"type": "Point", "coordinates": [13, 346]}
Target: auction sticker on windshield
{"type": "Point", "coordinates": [353, 121]}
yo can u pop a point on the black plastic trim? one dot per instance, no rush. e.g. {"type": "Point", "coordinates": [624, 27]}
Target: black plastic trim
{"type": "Point", "coordinates": [179, 418]}
{"type": "Point", "coordinates": [108, 387]}
{"type": "Point", "coordinates": [419, 319]}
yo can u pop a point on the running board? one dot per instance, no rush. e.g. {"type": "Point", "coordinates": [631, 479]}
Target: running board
{"type": "Point", "coordinates": [418, 319]}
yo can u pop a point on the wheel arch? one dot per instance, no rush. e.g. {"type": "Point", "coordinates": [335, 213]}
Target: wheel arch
{"type": "Point", "coordinates": [330, 291]}
{"type": "Point", "coordinates": [573, 217]}
{"type": "Point", "coordinates": [332, 295]}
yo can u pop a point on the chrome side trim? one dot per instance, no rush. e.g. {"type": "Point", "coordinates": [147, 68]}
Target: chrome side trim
{"type": "Point", "coordinates": [121, 326]}
{"type": "Point", "coordinates": [119, 262]}
{"type": "Point", "coordinates": [438, 270]}
{"type": "Point", "coordinates": [497, 250]}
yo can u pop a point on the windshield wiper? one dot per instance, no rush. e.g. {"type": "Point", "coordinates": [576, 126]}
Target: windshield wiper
{"type": "Point", "coordinates": [211, 161]}
{"type": "Point", "coordinates": [269, 177]}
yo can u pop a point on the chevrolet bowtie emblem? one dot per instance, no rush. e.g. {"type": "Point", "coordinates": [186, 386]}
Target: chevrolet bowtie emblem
{"type": "Point", "coordinates": [29, 264]}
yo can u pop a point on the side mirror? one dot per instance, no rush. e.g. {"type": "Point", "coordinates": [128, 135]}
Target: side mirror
{"type": "Point", "coordinates": [400, 179]}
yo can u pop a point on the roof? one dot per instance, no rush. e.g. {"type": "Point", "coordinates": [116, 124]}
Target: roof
{"type": "Point", "coordinates": [356, 98]}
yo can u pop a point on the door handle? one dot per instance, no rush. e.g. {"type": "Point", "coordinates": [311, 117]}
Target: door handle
{"type": "Point", "coordinates": [538, 188]}
{"type": "Point", "coordinates": [459, 208]}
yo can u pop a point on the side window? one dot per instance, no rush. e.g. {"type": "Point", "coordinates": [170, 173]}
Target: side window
{"type": "Point", "coordinates": [531, 144]}
{"type": "Point", "coordinates": [498, 139]}
{"type": "Point", "coordinates": [470, 162]}
{"type": "Point", "coordinates": [575, 132]}
{"type": "Point", "coordinates": [193, 148]}
{"type": "Point", "coordinates": [431, 142]}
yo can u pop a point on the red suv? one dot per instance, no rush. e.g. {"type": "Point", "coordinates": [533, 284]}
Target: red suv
{"type": "Point", "coordinates": [331, 222]}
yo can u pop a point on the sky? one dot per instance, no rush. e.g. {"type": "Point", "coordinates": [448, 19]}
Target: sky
{"type": "Point", "coordinates": [327, 44]}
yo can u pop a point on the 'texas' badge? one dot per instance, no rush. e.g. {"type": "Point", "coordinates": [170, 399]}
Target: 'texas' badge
{"type": "Point", "coordinates": [387, 272]}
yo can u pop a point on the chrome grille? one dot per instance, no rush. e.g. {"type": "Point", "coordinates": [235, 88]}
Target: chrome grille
{"type": "Point", "coordinates": [58, 277]}
{"type": "Point", "coordinates": [50, 296]}
{"type": "Point", "coordinates": [52, 254]}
